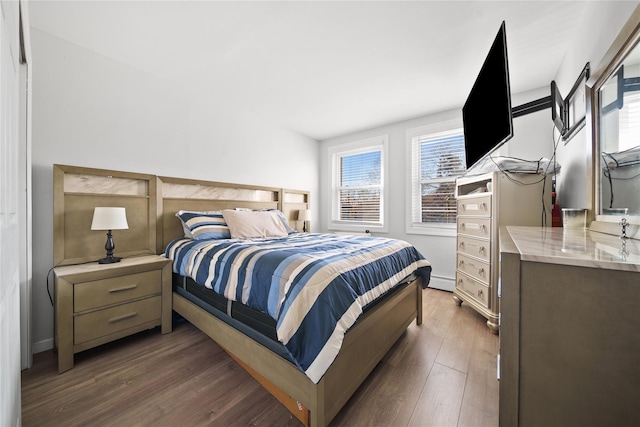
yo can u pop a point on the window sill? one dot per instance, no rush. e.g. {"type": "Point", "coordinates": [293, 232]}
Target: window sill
{"type": "Point", "coordinates": [448, 230]}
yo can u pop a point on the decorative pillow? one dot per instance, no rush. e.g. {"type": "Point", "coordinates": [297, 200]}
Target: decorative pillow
{"type": "Point", "coordinates": [284, 221]}
{"type": "Point", "coordinates": [204, 225]}
{"type": "Point", "coordinates": [251, 224]}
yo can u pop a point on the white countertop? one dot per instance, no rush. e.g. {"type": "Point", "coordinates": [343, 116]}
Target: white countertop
{"type": "Point", "coordinates": [579, 247]}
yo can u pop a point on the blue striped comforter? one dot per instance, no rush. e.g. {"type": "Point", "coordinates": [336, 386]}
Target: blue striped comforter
{"type": "Point", "coordinates": [314, 285]}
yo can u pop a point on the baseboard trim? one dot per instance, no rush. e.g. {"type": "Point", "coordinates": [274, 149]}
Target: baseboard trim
{"type": "Point", "coordinates": [443, 283]}
{"type": "Point", "coordinates": [44, 345]}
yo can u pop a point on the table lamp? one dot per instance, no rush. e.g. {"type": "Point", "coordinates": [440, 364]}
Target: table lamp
{"type": "Point", "coordinates": [304, 215]}
{"type": "Point", "coordinates": [109, 219]}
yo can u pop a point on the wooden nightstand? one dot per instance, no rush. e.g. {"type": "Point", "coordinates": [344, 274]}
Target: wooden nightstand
{"type": "Point", "coordinates": [97, 303]}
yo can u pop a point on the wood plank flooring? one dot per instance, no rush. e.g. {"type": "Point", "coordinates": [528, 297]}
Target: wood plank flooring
{"type": "Point", "coordinates": [442, 373]}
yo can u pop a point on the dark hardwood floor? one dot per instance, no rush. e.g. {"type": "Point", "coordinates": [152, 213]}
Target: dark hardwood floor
{"type": "Point", "coordinates": [442, 373]}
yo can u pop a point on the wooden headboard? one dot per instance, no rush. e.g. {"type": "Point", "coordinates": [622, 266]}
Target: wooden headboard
{"type": "Point", "coordinates": [77, 191]}
{"type": "Point", "coordinates": [151, 203]}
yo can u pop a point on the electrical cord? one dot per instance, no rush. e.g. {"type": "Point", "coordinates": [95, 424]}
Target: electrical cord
{"type": "Point", "coordinates": [607, 174]}
{"type": "Point", "coordinates": [48, 290]}
{"type": "Point", "coordinates": [543, 180]}
{"type": "Point", "coordinates": [49, 273]}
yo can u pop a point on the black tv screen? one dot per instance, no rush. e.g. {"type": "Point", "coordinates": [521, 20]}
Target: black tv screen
{"type": "Point", "coordinates": [486, 114]}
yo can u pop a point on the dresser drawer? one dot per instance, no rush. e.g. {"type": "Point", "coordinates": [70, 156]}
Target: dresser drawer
{"type": "Point", "coordinates": [475, 206]}
{"type": "Point", "coordinates": [474, 288]}
{"type": "Point", "coordinates": [477, 269]}
{"type": "Point", "coordinates": [475, 247]}
{"type": "Point", "coordinates": [475, 226]}
{"type": "Point", "coordinates": [100, 293]}
{"type": "Point", "coordinates": [100, 323]}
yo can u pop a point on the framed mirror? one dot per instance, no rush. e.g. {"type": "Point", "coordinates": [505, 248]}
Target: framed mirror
{"type": "Point", "coordinates": [613, 104]}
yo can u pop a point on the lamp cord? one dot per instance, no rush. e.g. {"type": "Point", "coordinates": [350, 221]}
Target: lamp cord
{"type": "Point", "coordinates": [48, 290]}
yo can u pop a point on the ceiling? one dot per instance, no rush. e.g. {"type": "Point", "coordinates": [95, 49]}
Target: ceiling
{"type": "Point", "coordinates": [321, 68]}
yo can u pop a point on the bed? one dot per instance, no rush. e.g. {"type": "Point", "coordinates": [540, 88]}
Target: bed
{"type": "Point", "coordinates": [367, 341]}
{"type": "Point", "coordinates": [313, 387]}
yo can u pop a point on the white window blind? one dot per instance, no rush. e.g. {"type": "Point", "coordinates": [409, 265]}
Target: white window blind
{"type": "Point", "coordinates": [437, 159]}
{"type": "Point", "coordinates": [630, 121]}
{"type": "Point", "coordinates": [358, 186]}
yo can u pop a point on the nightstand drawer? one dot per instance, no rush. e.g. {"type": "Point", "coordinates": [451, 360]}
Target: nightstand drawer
{"type": "Point", "coordinates": [474, 288]}
{"type": "Point", "coordinates": [100, 323]}
{"type": "Point", "coordinates": [100, 293]}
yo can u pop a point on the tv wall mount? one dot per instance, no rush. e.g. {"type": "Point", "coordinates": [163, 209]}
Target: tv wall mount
{"type": "Point", "coordinates": [568, 114]}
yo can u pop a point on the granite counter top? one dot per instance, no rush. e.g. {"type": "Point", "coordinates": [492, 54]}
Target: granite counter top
{"type": "Point", "coordinates": [579, 247]}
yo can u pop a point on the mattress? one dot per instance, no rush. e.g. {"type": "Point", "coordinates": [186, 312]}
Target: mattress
{"type": "Point", "coordinates": [260, 326]}
{"type": "Point", "coordinates": [312, 287]}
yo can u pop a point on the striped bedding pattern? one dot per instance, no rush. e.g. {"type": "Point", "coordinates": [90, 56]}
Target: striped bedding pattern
{"type": "Point", "coordinates": [314, 285]}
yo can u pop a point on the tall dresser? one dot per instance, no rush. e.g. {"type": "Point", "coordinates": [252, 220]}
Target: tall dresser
{"type": "Point", "coordinates": [485, 202]}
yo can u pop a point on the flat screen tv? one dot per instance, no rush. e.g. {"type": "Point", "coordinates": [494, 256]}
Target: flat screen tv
{"type": "Point", "coordinates": [486, 114]}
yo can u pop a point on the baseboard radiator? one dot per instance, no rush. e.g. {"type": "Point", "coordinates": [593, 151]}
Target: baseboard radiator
{"type": "Point", "coordinates": [354, 233]}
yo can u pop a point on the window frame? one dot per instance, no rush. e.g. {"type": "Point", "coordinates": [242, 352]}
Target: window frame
{"type": "Point", "coordinates": [433, 130]}
{"type": "Point", "coordinates": [377, 143]}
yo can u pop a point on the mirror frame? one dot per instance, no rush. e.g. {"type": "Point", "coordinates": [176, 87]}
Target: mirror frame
{"type": "Point", "coordinates": [624, 43]}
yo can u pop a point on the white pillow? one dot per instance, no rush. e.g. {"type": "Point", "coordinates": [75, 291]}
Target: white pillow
{"type": "Point", "coordinates": [250, 224]}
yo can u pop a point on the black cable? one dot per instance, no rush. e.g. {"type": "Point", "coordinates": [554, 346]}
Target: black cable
{"type": "Point", "coordinates": [49, 273]}
{"type": "Point", "coordinates": [555, 172]}
{"type": "Point", "coordinates": [543, 179]}
{"type": "Point", "coordinates": [48, 291]}
{"type": "Point", "coordinates": [607, 174]}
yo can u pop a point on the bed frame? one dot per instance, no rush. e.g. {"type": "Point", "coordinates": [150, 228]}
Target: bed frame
{"type": "Point", "coordinates": [365, 344]}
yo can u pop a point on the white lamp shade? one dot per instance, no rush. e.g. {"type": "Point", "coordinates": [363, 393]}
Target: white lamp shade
{"type": "Point", "coordinates": [109, 219]}
{"type": "Point", "coordinates": [304, 215]}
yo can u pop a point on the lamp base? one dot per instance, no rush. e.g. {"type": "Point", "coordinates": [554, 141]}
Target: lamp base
{"type": "Point", "coordinates": [109, 260]}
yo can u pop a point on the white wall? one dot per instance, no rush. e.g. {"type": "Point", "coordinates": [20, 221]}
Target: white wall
{"type": "Point", "coordinates": [91, 111]}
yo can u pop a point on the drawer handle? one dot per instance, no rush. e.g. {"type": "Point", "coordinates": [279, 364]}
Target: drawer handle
{"type": "Point", "coordinates": [480, 293]}
{"type": "Point", "coordinates": [481, 271]}
{"type": "Point", "coordinates": [481, 249]}
{"type": "Point", "coordinates": [461, 245]}
{"type": "Point", "coordinates": [461, 263]}
{"type": "Point", "coordinates": [124, 288]}
{"type": "Point", "coordinates": [483, 206]}
{"type": "Point", "coordinates": [125, 317]}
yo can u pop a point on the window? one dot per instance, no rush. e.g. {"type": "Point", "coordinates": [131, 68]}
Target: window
{"type": "Point", "coordinates": [629, 120]}
{"type": "Point", "coordinates": [436, 159]}
{"type": "Point", "coordinates": [357, 185]}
